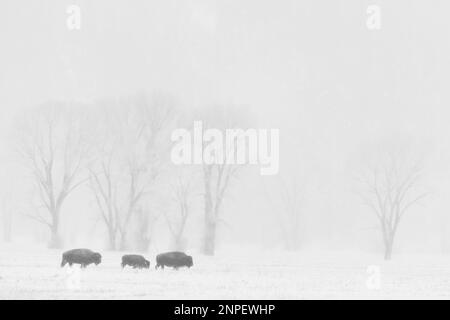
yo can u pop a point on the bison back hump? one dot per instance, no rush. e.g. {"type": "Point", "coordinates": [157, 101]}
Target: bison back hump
{"type": "Point", "coordinates": [79, 252]}
{"type": "Point", "coordinates": [133, 258]}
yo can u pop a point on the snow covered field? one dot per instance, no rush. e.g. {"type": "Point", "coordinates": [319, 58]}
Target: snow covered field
{"type": "Point", "coordinates": [36, 274]}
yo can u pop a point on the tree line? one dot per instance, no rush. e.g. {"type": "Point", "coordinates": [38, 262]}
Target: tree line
{"type": "Point", "coordinates": [120, 150]}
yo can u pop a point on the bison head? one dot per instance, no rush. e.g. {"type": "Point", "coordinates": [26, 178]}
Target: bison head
{"type": "Point", "coordinates": [189, 261]}
{"type": "Point", "coordinates": [97, 258]}
{"type": "Point", "coordinates": [147, 264]}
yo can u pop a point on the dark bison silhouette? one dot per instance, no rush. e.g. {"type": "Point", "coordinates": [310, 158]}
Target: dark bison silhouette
{"type": "Point", "coordinates": [135, 261]}
{"type": "Point", "coordinates": [173, 259]}
{"type": "Point", "coordinates": [84, 257]}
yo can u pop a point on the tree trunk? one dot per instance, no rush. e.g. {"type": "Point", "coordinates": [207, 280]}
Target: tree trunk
{"type": "Point", "coordinates": [210, 223]}
{"type": "Point", "coordinates": [55, 239]}
{"type": "Point", "coordinates": [292, 237]}
{"type": "Point", "coordinates": [388, 246]}
{"type": "Point", "coordinates": [123, 242]}
{"type": "Point", "coordinates": [209, 243]}
{"type": "Point", "coordinates": [143, 238]}
{"type": "Point", "coordinates": [210, 237]}
{"type": "Point", "coordinates": [179, 243]}
{"type": "Point", "coordinates": [388, 252]}
{"type": "Point", "coordinates": [112, 240]}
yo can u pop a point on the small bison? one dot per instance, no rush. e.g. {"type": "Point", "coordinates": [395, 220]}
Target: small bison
{"type": "Point", "coordinates": [84, 257]}
{"type": "Point", "coordinates": [135, 261]}
{"type": "Point", "coordinates": [173, 259]}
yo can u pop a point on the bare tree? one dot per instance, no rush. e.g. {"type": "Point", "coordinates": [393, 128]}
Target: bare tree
{"type": "Point", "coordinates": [146, 218]}
{"type": "Point", "coordinates": [182, 191]}
{"type": "Point", "coordinates": [390, 190]}
{"type": "Point", "coordinates": [138, 184]}
{"type": "Point", "coordinates": [217, 176]}
{"type": "Point", "coordinates": [145, 151]}
{"type": "Point", "coordinates": [53, 147]}
{"type": "Point", "coordinates": [286, 202]}
{"type": "Point", "coordinates": [132, 162]}
{"type": "Point", "coordinates": [103, 185]}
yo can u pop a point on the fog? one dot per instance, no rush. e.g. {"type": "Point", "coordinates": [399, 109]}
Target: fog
{"type": "Point", "coordinates": [341, 95]}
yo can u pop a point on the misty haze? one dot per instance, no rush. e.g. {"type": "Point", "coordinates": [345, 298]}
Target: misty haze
{"type": "Point", "coordinates": [336, 183]}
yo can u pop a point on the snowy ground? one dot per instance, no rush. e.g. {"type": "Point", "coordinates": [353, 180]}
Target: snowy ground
{"type": "Point", "coordinates": [35, 274]}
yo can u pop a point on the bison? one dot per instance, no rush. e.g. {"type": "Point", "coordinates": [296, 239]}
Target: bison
{"type": "Point", "coordinates": [173, 259]}
{"type": "Point", "coordinates": [84, 257]}
{"type": "Point", "coordinates": [135, 261]}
